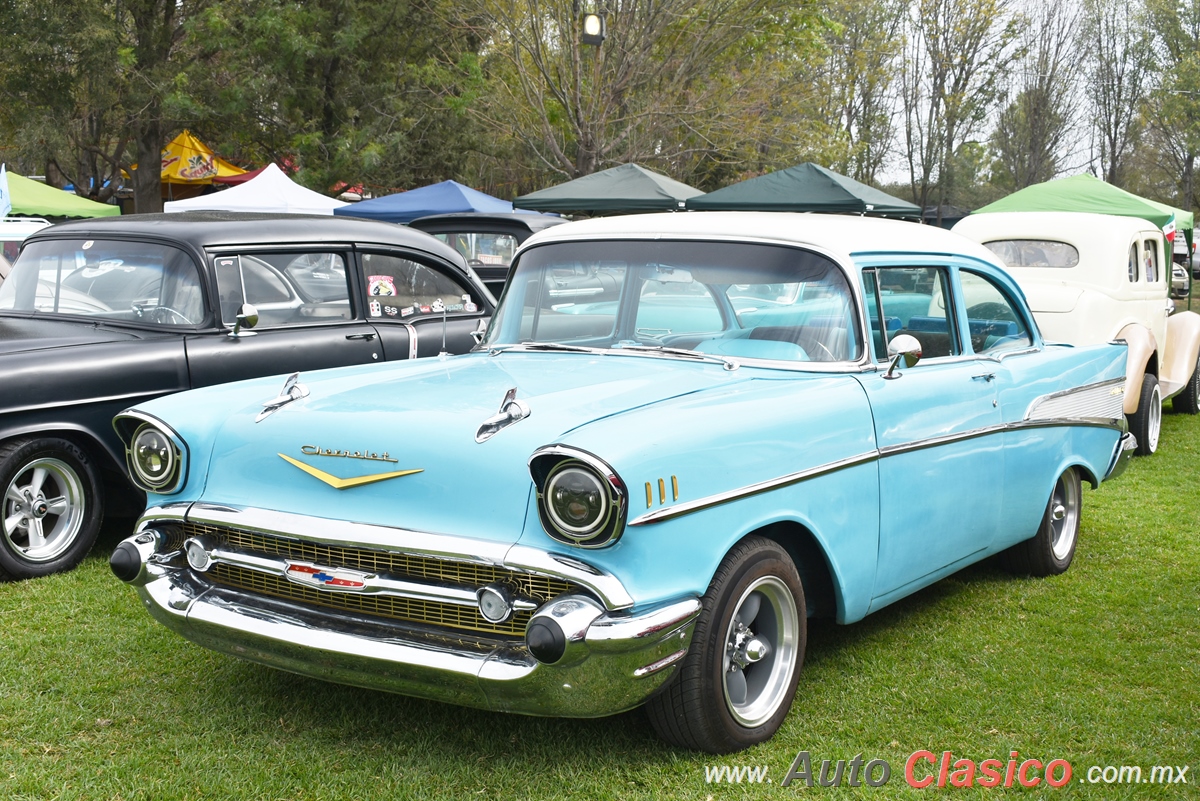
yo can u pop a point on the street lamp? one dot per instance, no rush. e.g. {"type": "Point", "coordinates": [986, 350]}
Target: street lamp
{"type": "Point", "coordinates": [593, 29]}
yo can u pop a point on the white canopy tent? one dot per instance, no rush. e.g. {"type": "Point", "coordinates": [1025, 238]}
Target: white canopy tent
{"type": "Point", "coordinates": [270, 192]}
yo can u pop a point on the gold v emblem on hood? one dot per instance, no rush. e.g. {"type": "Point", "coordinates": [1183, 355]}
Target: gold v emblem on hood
{"type": "Point", "coordinates": [346, 483]}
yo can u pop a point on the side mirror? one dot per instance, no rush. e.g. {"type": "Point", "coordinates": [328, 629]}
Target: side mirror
{"type": "Point", "coordinates": [247, 317]}
{"type": "Point", "coordinates": [903, 348]}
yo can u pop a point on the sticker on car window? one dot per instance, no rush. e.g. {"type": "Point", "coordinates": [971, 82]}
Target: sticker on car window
{"type": "Point", "coordinates": [381, 286]}
{"type": "Point", "coordinates": [376, 309]}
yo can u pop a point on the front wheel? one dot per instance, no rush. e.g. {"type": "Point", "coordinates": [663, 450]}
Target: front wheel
{"type": "Point", "coordinates": [51, 510]}
{"type": "Point", "coordinates": [736, 684]}
{"type": "Point", "coordinates": [1146, 422]}
{"type": "Point", "coordinates": [1050, 551]}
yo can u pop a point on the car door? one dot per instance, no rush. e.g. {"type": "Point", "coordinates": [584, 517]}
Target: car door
{"type": "Point", "coordinates": [419, 306]}
{"type": "Point", "coordinates": [941, 465]}
{"type": "Point", "coordinates": [306, 320]}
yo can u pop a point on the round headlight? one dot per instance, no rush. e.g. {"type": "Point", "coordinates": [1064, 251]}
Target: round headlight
{"type": "Point", "coordinates": [152, 456]}
{"type": "Point", "coordinates": [577, 501]}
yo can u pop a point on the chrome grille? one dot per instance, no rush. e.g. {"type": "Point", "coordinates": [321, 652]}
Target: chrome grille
{"type": "Point", "coordinates": [406, 566]}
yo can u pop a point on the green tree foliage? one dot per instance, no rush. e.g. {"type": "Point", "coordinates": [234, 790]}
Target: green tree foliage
{"type": "Point", "coordinates": [695, 88]}
{"type": "Point", "coordinates": [1173, 117]}
{"type": "Point", "coordinates": [344, 90]}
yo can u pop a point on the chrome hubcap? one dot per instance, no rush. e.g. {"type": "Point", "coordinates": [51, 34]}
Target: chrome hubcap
{"type": "Point", "coordinates": [1155, 418]}
{"type": "Point", "coordinates": [43, 510]}
{"type": "Point", "coordinates": [761, 646]}
{"type": "Point", "coordinates": [1064, 516]}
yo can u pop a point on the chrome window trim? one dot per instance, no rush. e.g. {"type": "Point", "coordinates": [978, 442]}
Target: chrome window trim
{"type": "Point", "coordinates": [607, 587]}
{"type": "Point", "coordinates": [668, 513]}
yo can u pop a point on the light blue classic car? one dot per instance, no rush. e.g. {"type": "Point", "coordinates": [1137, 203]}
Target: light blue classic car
{"type": "Point", "coordinates": [680, 437]}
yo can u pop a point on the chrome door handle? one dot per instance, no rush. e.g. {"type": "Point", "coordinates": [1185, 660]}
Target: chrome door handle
{"type": "Point", "coordinates": [984, 377]}
{"type": "Point", "coordinates": [367, 337]}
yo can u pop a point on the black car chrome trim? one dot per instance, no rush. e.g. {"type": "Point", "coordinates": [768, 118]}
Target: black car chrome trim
{"type": "Point", "coordinates": [414, 543]}
{"type": "Point", "coordinates": [412, 339]}
{"type": "Point", "coordinates": [659, 515]}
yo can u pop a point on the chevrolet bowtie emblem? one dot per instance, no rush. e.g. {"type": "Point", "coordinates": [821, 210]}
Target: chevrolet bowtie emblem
{"type": "Point", "coordinates": [346, 483]}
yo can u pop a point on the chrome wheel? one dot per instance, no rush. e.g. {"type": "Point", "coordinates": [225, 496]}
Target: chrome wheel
{"type": "Point", "coordinates": [761, 645]}
{"type": "Point", "coordinates": [1063, 515]}
{"type": "Point", "coordinates": [43, 509]}
{"type": "Point", "coordinates": [1154, 419]}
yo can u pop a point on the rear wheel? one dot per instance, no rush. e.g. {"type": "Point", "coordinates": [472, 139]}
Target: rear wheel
{"type": "Point", "coordinates": [1050, 551]}
{"type": "Point", "coordinates": [51, 508]}
{"type": "Point", "coordinates": [737, 682]}
{"type": "Point", "coordinates": [1188, 401]}
{"type": "Point", "coordinates": [1146, 422]}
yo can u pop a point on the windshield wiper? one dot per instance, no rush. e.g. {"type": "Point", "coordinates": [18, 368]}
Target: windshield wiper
{"type": "Point", "coordinates": [730, 364]}
{"type": "Point", "coordinates": [546, 346]}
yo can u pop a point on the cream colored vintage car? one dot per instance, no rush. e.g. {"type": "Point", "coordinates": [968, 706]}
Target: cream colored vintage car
{"type": "Point", "coordinates": [1092, 278]}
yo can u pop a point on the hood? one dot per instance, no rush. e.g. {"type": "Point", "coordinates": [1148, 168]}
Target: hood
{"type": "Point", "coordinates": [1051, 298]}
{"type": "Point", "coordinates": [19, 334]}
{"type": "Point", "coordinates": [415, 416]}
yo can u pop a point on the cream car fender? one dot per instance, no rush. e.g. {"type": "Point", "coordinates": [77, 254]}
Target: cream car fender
{"type": "Point", "coordinates": [1182, 349]}
{"type": "Point", "coordinates": [1141, 347]}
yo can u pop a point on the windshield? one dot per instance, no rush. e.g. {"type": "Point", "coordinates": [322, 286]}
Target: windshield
{"type": "Point", "coordinates": [729, 299]}
{"type": "Point", "coordinates": [123, 281]}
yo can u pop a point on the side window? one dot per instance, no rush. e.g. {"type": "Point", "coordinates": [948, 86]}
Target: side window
{"type": "Point", "coordinates": [286, 288]}
{"type": "Point", "coordinates": [401, 288]}
{"type": "Point", "coordinates": [1133, 263]}
{"type": "Point", "coordinates": [1151, 247]}
{"type": "Point", "coordinates": [912, 300]}
{"type": "Point", "coordinates": [992, 319]}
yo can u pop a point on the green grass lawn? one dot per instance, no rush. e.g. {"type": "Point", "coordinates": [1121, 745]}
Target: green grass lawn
{"type": "Point", "coordinates": [1100, 666]}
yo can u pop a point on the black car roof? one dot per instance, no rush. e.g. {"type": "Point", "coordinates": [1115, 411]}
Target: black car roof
{"type": "Point", "coordinates": [484, 221]}
{"type": "Point", "coordinates": [214, 229]}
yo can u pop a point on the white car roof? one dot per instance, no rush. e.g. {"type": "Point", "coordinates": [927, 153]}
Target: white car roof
{"type": "Point", "coordinates": [1095, 236]}
{"type": "Point", "coordinates": [15, 229]}
{"type": "Point", "coordinates": [839, 234]}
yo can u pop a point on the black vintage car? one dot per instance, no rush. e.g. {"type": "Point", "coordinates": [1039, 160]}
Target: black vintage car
{"type": "Point", "coordinates": [97, 316]}
{"type": "Point", "coordinates": [486, 241]}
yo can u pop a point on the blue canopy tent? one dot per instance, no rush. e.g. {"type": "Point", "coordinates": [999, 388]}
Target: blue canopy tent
{"type": "Point", "coordinates": [444, 198]}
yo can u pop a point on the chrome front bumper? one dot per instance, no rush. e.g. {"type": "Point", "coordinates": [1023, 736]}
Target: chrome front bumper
{"type": "Point", "coordinates": [611, 659]}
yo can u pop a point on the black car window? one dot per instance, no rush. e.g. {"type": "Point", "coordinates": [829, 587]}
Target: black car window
{"type": "Point", "coordinates": [401, 288]}
{"type": "Point", "coordinates": [136, 282]}
{"type": "Point", "coordinates": [286, 288]}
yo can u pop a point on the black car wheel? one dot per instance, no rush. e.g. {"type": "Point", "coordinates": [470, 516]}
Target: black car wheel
{"type": "Point", "coordinates": [1146, 422]}
{"type": "Point", "coordinates": [737, 682]}
{"type": "Point", "coordinates": [1188, 400]}
{"type": "Point", "coordinates": [51, 507]}
{"type": "Point", "coordinates": [1050, 551]}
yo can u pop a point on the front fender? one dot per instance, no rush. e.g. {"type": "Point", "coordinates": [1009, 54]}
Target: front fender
{"type": "Point", "coordinates": [1180, 352]}
{"type": "Point", "coordinates": [1142, 346]}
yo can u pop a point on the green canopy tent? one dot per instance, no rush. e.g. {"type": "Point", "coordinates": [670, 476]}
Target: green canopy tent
{"type": "Point", "coordinates": [805, 187]}
{"type": "Point", "coordinates": [38, 200]}
{"type": "Point", "coordinates": [628, 187]}
{"type": "Point", "coordinates": [1089, 194]}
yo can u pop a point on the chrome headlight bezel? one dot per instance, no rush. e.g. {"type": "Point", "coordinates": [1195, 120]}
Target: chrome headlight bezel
{"type": "Point", "coordinates": [132, 425]}
{"type": "Point", "coordinates": [555, 462]}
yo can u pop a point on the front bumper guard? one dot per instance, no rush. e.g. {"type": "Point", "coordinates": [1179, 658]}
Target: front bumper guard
{"type": "Point", "coordinates": [610, 661]}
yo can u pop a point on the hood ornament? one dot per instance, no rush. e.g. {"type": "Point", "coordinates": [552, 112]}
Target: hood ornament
{"type": "Point", "coordinates": [292, 390]}
{"type": "Point", "coordinates": [511, 411]}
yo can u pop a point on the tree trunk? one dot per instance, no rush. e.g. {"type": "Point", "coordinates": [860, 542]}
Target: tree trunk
{"type": "Point", "coordinates": [147, 178]}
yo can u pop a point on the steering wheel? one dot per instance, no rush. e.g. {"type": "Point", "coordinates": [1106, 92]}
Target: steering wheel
{"type": "Point", "coordinates": [163, 315]}
{"type": "Point", "coordinates": [991, 311]}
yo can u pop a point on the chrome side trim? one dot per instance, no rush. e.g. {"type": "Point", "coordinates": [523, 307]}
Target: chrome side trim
{"type": "Point", "coordinates": [659, 515]}
{"type": "Point", "coordinates": [1103, 399]}
{"type": "Point", "coordinates": [412, 339]}
{"type": "Point", "coordinates": [449, 547]}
